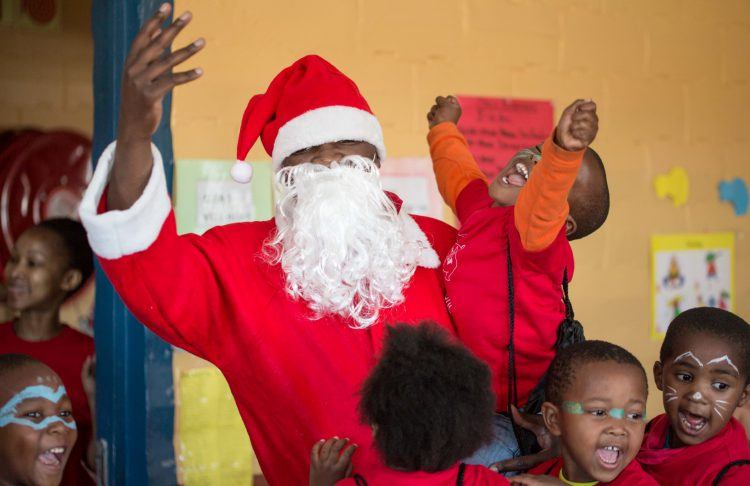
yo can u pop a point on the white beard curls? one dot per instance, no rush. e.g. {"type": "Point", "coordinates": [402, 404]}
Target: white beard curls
{"type": "Point", "coordinates": [340, 240]}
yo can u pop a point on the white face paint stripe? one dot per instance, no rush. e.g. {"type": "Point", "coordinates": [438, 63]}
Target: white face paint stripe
{"type": "Point", "coordinates": [718, 413]}
{"type": "Point", "coordinates": [688, 354]}
{"type": "Point", "coordinates": [669, 399]}
{"type": "Point", "coordinates": [671, 389]}
{"type": "Point", "coordinates": [724, 358]}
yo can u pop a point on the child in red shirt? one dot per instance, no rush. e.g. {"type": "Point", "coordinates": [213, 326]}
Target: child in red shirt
{"type": "Point", "coordinates": [37, 428]}
{"type": "Point", "coordinates": [429, 403]}
{"type": "Point", "coordinates": [703, 372]}
{"type": "Point", "coordinates": [505, 275]}
{"type": "Point", "coordinates": [50, 262]}
{"type": "Point", "coordinates": [596, 404]}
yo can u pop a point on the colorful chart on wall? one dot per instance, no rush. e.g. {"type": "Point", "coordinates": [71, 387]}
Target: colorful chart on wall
{"type": "Point", "coordinates": [690, 270]}
{"type": "Point", "coordinates": [497, 128]}
{"type": "Point", "coordinates": [206, 196]}
{"type": "Point", "coordinates": [412, 179]}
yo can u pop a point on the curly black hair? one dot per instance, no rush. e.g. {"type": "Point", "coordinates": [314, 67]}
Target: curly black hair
{"type": "Point", "coordinates": [429, 399]}
{"type": "Point", "coordinates": [12, 361]}
{"type": "Point", "coordinates": [710, 321]}
{"type": "Point", "coordinates": [562, 370]}
{"type": "Point", "coordinates": [75, 244]}
{"type": "Point", "coordinates": [589, 203]}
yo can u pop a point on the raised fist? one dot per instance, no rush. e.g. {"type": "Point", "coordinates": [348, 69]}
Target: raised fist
{"type": "Point", "coordinates": [578, 126]}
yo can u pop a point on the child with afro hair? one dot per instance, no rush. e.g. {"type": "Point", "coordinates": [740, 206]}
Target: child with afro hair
{"type": "Point", "coordinates": [430, 404]}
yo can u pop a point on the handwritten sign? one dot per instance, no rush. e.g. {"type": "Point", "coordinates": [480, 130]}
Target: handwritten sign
{"type": "Point", "coordinates": [497, 128]}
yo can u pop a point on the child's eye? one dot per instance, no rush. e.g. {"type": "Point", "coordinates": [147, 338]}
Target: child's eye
{"type": "Point", "coordinates": [65, 413]}
{"type": "Point", "coordinates": [636, 416]}
{"type": "Point", "coordinates": [720, 386]}
{"type": "Point", "coordinates": [598, 412]}
{"type": "Point", "coordinates": [33, 415]}
{"type": "Point", "coordinates": [686, 377]}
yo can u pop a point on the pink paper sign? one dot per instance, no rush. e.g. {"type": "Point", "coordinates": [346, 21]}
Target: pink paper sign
{"type": "Point", "coordinates": [497, 128]}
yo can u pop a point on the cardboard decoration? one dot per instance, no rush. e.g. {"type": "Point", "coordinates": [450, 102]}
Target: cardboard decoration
{"type": "Point", "coordinates": [674, 185]}
{"type": "Point", "coordinates": [735, 193]}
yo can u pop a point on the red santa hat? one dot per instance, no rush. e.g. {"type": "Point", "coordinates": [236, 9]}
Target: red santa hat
{"type": "Point", "coordinates": [307, 104]}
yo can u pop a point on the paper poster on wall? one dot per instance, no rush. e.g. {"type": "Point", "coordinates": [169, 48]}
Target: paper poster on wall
{"type": "Point", "coordinates": [206, 196]}
{"type": "Point", "coordinates": [497, 128]}
{"type": "Point", "coordinates": [690, 270]}
{"type": "Point", "coordinates": [211, 444]}
{"type": "Point", "coordinates": [412, 179]}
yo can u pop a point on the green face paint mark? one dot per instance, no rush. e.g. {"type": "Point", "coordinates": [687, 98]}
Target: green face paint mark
{"type": "Point", "coordinates": [575, 408]}
{"type": "Point", "coordinates": [617, 413]}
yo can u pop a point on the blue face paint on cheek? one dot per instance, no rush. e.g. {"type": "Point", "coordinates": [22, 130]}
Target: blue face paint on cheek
{"type": "Point", "coordinates": [9, 410]}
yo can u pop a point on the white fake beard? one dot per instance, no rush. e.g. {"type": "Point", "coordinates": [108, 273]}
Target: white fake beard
{"type": "Point", "coordinates": [340, 240]}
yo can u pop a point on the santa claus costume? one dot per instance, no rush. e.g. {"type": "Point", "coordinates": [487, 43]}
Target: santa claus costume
{"type": "Point", "coordinates": [291, 310]}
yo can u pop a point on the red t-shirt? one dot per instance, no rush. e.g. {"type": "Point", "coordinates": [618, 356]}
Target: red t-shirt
{"type": "Point", "coordinates": [473, 475]}
{"type": "Point", "coordinates": [65, 354]}
{"type": "Point", "coordinates": [476, 280]}
{"type": "Point", "coordinates": [632, 475]}
{"type": "Point", "coordinates": [697, 464]}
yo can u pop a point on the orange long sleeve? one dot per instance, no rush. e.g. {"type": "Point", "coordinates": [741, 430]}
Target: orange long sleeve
{"type": "Point", "coordinates": [452, 162]}
{"type": "Point", "coordinates": [542, 205]}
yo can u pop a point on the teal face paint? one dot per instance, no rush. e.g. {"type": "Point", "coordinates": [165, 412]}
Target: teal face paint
{"type": "Point", "coordinates": [9, 410]}
{"type": "Point", "coordinates": [576, 408]}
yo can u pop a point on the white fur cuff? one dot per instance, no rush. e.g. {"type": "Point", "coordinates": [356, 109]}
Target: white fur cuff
{"type": "Point", "coordinates": [118, 233]}
{"type": "Point", "coordinates": [428, 257]}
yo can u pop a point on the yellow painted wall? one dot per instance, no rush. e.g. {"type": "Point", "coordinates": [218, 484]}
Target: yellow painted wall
{"type": "Point", "coordinates": [671, 78]}
{"type": "Point", "coordinates": [45, 75]}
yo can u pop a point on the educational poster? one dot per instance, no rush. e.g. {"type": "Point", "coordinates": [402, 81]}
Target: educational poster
{"type": "Point", "coordinates": [211, 444]}
{"type": "Point", "coordinates": [206, 196]}
{"type": "Point", "coordinates": [497, 128]}
{"type": "Point", "coordinates": [412, 179]}
{"type": "Point", "coordinates": [690, 270]}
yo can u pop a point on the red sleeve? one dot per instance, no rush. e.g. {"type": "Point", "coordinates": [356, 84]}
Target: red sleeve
{"type": "Point", "coordinates": [736, 476]}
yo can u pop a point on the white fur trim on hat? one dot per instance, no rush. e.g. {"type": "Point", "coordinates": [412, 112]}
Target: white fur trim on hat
{"type": "Point", "coordinates": [114, 234]}
{"type": "Point", "coordinates": [326, 125]}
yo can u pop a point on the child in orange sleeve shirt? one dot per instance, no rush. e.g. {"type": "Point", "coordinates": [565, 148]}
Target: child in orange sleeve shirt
{"type": "Point", "coordinates": [505, 274]}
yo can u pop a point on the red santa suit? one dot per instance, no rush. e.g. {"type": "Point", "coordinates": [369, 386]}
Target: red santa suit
{"type": "Point", "coordinates": [295, 379]}
{"type": "Point", "coordinates": [698, 464]}
{"type": "Point", "coordinates": [632, 475]}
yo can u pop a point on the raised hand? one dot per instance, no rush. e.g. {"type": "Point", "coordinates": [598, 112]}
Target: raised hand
{"type": "Point", "coordinates": [147, 75]}
{"type": "Point", "coordinates": [446, 108]}
{"type": "Point", "coordinates": [331, 461]}
{"type": "Point", "coordinates": [578, 126]}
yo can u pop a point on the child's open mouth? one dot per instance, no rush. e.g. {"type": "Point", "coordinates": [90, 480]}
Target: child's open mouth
{"type": "Point", "coordinates": [53, 457]}
{"type": "Point", "coordinates": [517, 177]}
{"type": "Point", "coordinates": [609, 456]}
{"type": "Point", "coordinates": [691, 423]}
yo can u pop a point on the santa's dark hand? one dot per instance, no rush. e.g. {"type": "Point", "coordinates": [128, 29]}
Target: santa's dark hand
{"type": "Point", "coordinates": [147, 75]}
{"type": "Point", "coordinates": [331, 461]}
{"type": "Point", "coordinates": [446, 108]}
{"type": "Point", "coordinates": [578, 126]}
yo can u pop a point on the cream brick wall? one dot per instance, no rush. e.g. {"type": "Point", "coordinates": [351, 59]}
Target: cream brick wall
{"type": "Point", "coordinates": [671, 78]}
{"type": "Point", "coordinates": [45, 76]}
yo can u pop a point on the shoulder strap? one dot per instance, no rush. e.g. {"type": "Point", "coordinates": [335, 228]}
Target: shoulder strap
{"type": "Point", "coordinates": [359, 480]}
{"type": "Point", "coordinates": [460, 477]}
{"type": "Point", "coordinates": [725, 469]}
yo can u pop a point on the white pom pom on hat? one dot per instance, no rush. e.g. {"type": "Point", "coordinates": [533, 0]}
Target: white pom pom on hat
{"type": "Point", "coordinates": [307, 104]}
{"type": "Point", "coordinates": [241, 172]}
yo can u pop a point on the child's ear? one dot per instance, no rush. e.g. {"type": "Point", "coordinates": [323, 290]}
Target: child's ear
{"type": "Point", "coordinates": [71, 279]}
{"type": "Point", "coordinates": [570, 225]}
{"type": "Point", "coordinates": [551, 415]}
{"type": "Point", "coordinates": [743, 396]}
{"type": "Point", "coordinates": [658, 374]}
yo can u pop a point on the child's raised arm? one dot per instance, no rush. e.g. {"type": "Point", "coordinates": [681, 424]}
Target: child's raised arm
{"type": "Point", "coordinates": [542, 205]}
{"type": "Point", "coordinates": [452, 162]}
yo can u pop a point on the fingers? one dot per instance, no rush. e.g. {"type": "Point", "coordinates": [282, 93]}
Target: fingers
{"type": "Point", "coordinates": [345, 458]}
{"type": "Point", "coordinates": [522, 463]}
{"type": "Point", "coordinates": [170, 80]}
{"type": "Point", "coordinates": [149, 30]}
{"type": "Point", "coordinates": [165, 64]}
{"type": "Point", "coordinates": [315, 452]}
{"type": "Point", "coordinates": [154, 50]}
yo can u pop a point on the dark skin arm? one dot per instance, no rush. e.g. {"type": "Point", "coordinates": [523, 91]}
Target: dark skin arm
{"type": "Point", "coordinates": [331, 461]}
{"type": "Point", "coordinates": [147, 77]}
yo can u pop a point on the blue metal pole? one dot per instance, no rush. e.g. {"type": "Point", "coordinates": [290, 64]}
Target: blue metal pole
{"type": "Point", "coordinates": [135, 395]}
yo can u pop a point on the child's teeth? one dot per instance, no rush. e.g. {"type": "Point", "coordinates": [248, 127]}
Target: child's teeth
{"type": "Point", "coordinates": [505, 179]}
